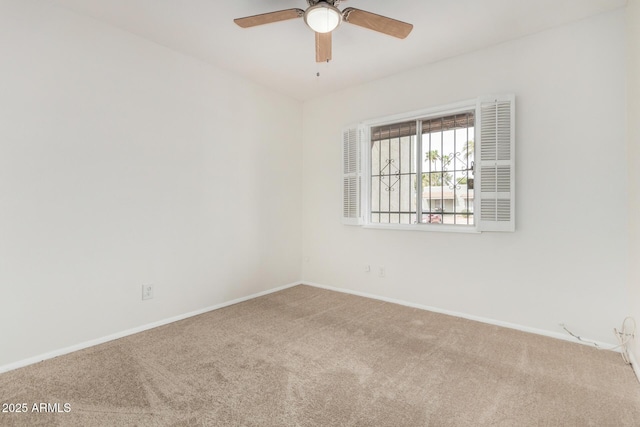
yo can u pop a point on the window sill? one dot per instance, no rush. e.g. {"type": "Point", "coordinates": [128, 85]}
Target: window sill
{"type": "Point", "coordinates": [470, 229]}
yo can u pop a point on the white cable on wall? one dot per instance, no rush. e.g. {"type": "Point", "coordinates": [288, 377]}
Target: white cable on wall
{"type": "Point", "coordinates": [624, 336]}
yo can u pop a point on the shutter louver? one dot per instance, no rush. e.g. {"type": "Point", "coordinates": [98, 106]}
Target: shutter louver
{"type": "Point", "coordinates": [351, 177]}
{"type": "Point", "coordinates": [495, 164]}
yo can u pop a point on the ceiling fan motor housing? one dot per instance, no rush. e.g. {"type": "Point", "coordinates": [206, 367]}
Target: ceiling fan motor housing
{"type": "Point", "coordinates": [323, 17]}
{"type": "Point", "coordinates": [331, 2]}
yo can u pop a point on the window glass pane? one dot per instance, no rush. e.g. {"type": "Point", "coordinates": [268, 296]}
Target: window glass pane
{"type": "Point", "coordinates": [443, 169]}
{"type": "Point", "coordinates": [384, 195]}
{"type": "Point", "coordinates": [375, 199]}
{"type": "Point", "coordinates": [414, 196]}
{"type": "Point", "coordinates": [406, 155]}
{"type": "Point", "coordinates": [447, 161]}
{"type": "Point", "coordinates": [375, 157]}
{"type": "Point", "coordinates": [393, 190]}
{"type": "Point", "coordinates": [407, 194]}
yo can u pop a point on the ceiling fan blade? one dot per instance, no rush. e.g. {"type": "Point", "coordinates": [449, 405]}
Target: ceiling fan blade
{"type": "Point", "coordinates": [323, 47]}
{"type": "Point", "coordinates": [378, 23]}
{"type": "Point", "coordinates": [268, 18]}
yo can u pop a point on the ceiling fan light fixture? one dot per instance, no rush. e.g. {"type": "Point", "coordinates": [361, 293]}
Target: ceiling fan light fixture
{"type": "Point", "coordinates": [322, 17]}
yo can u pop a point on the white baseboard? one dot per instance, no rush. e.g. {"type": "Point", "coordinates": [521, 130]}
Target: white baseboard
{"type": "Point", "coordinates": [117, 335]}
{"type": "Point", "coordinates": [551, 334]}
{"type": "Point", "coordinates": [634, 363]}
{"type": "Point", "coordinates": [91, 343]}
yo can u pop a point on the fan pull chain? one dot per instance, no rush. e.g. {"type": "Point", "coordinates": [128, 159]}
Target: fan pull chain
{"type": "Point", "coordinates": [318, 68]}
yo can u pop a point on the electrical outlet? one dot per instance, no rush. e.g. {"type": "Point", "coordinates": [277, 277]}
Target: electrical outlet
{"type": "Point", "coordinates": [147, 292]}
{"type": "Point", "coordinates": [367, 268]}
{"type": "Point", "coordinates": [381, 272]}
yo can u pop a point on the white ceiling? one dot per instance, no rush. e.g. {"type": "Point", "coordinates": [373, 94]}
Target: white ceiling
{"type": "Point", "coordinates": [282, 56]}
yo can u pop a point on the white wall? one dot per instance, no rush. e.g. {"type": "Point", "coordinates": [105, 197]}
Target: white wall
{"type": "Point", "coordinates": [123, 163]}
{"type": "Point", "coordinates": [633, 119]}
{"type": "Point", "coordinates": [567, 261]}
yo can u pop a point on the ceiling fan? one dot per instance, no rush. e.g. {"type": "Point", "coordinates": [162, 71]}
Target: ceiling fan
{"type": "Point", "coordinates": [323, 17]}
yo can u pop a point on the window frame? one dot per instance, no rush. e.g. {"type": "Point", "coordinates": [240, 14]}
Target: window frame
{"type": "Point", "coordinates": [423, 114]}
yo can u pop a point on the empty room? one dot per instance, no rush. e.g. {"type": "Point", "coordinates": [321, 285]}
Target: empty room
{"type": "Point", "coordinates": [319, 213]}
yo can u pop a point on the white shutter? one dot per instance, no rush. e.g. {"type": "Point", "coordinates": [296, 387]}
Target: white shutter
{"type": "Point", "coordinates": [351, 176]}
{"type": "Point", "coordinates": [495, 164]}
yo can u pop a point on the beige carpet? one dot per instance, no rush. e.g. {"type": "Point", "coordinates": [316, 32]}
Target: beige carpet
{"type": "Point", "coordinates": [311, 357]}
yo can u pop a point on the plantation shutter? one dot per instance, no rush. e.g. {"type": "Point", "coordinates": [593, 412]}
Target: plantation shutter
{"type": "Point", "coordinates": [351, 177]}
{"type": "Point", "coordinates": [495, 171]}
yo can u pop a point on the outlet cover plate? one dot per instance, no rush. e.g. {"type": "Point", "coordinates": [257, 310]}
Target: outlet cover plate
{"type": "Point", "coordinates": [147, 292]}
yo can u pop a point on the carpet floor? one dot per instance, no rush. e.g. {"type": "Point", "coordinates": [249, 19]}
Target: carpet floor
{"type": "Point", "coordinates": [311, 357]}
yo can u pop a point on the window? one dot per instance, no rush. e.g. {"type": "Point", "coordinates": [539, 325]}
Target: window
{"type": "Point", "coordinates": [448, 168]}
{"type": "Point", "coordinates": [422, 171]}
